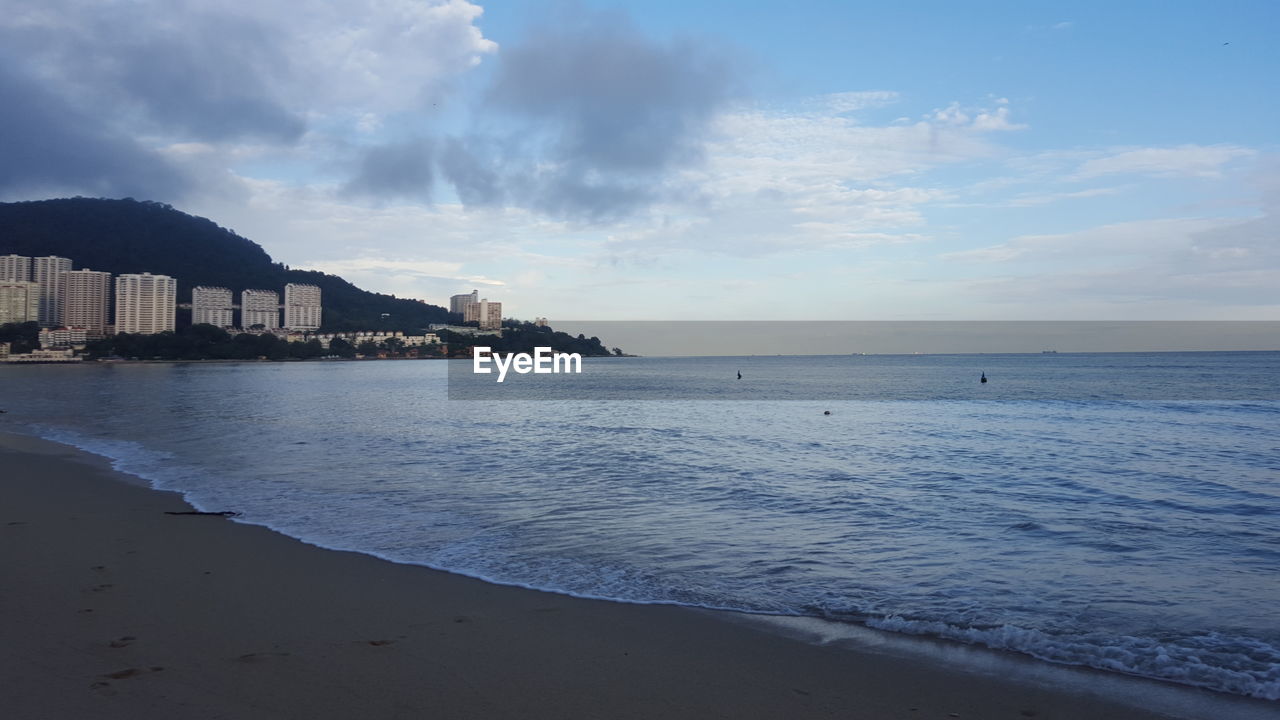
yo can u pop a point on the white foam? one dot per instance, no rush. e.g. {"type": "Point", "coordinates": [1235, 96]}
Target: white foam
{"type": "Point", "coordinates": [1243, 666]}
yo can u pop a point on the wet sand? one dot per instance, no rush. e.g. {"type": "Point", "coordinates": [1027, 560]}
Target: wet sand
{"type": "Point", "coordinates": [111, 608]}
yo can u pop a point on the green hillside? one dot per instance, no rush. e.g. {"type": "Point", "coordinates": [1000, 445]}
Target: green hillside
{"type": "Point", "coordinates": [130, 236]}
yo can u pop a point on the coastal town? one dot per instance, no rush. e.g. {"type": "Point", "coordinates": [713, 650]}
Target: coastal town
{"type": "Point", "coordinates": [75, 307]}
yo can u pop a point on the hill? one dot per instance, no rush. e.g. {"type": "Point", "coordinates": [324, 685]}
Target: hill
{"type": "Point", "coordinates": [131, 236]}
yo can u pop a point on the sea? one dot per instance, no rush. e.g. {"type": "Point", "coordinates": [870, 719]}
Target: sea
{"type": "Point", "coordinates": [1113, 511]}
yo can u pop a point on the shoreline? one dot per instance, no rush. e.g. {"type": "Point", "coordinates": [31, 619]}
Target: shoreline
{"type": "Point", "coordinates": [104, 361]}
{"type": "Point", "coordinates": [102, 587]}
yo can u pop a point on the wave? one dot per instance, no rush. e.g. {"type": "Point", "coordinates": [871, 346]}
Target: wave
{"type": "Point", "coordinates": [1238, 665]}
{"type": "Point", "coordinates": [1217, 661]}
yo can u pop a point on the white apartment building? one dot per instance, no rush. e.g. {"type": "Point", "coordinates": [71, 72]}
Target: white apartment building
{"type": "Point", "coordinates": [458, 303]}
{"type": "Point", "coordinates": [259, 307]}
{"type": "Point", "coordinates": [47, 273]}
{"type": "Point", "coordinates": [84, 297]}
{"type": "Point", "coordinates": [55, 338]}
{"type": "Point", "coordinates": [301, 307]}
{"type": "Point", "coordinates": [15, 267]}
{"type": "Point", "coordinates": [145, 303]}
{"type": "Point", "coordinates": [19, 301]}
{"type": "Point", "coordinates": [212, 305]}
{"type": "Point", "coordinates": [488, 314]}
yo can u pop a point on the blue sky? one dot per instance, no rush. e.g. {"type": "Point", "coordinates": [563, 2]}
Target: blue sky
{"type": "Point", "coordinates": [664, 160]}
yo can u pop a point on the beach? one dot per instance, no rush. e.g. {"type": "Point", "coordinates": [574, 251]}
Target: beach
{"type": "Point", "coordinates": [113, 608]}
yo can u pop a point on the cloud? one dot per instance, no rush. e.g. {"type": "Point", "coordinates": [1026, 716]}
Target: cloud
{"type": "Point", "coordinates": [51, 148]}
{"type": "Point", "coordinates": [399, 170]}
{"type": "Point", "coordinates": [476, 182]}
{"type": "Point", "coordinates": [810, 179]}
{"type": "Point", "coordinates": [1137, 238]}
{"type": "Point", "coordinates": [197, 74]}
{"type": "Point", "coordinates": [595, 115]}
{"type": "Point", "coordinates": [984, 120]}
{"type": "Point", "coordinates": [1032, 199]}
{"type": "Point", "coordinates": [1181, 161]}
{"type": "Point", "coordinates": [846, 102]}
{"type": "Point", "coordinates": [1169, 265]}
{"type": "Point", "coordinates": [423, 269]}
{"type": "Point", "coordinates": [122, 80]}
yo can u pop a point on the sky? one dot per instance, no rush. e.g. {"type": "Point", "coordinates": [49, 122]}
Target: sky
{"type": "Point", "coordinates": [665, 160]}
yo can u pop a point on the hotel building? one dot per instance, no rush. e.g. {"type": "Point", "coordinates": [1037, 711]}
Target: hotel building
{"type": "Point", "coordinates": [458, 303]}
{"type": "Point", "coordinates": [259, 307]}
{"type": "Point", "coordinates": [301, 307]}
{"type": "Point", "coordinates": [488, 314]}
{"type": "Point", "coordinates": [57, 338]}
{"type": "Point", "coordinates": [19, 301]}
{"type": "Point", "coordinates": [145, 303]}
{"type": "Point", "coordinates": [47, 273]}
{"type": "Point", "coordinates": [212, 305]}
{"type": "Point", "coordinates": [84, 297]}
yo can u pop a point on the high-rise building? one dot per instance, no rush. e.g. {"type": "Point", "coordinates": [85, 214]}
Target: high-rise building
{"type": "Point", "coordinates": [47, 273]}
{"type": "Point", "coordinates": [19, 301]}
{"type": "Point", "coordinates": [212, 305]}
{"type": "Point", "coordinates": [15, 267]}
{"type": "Point", "coordinates": [488, 314]}
{"type": "Point", "coordinates": [84, 297]}
{"type": "Point", "coordinates": [458, 303]}
{"type": "Point", "coordinates": [259, 307]}
{"type": "Point", "coordinates": [301, 307]}
{"type": "Point", "coordinates": [145, 303]}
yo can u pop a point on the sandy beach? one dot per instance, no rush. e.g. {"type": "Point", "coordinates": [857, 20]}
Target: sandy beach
{"type": "Point", "coordinates": [112, 608]}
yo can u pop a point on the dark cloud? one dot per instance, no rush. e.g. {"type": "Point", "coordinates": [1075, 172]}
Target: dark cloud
{"type": "Point", "coordinates": [469, 166]}
{"type": "Point", "coordinates": [48, 146]}
{"type": "Point", "coordinates": [211, 84]}
{"type": "Point", "coordinates": [395, 170]}
{"type": "Point", "coordinates": [603, 115]}
{"type": "Point", "coordinates": [202, 77]}
{"type": "Point", "coordinates": [611, 99]}
{"type": "Point", "coordinates": [585, 119]}
{"type": "Point", "coordinates": [83, 84]}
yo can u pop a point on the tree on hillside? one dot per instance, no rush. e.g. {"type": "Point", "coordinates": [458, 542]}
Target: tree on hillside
{"type": "Point", "coordinates": [22, 337]}
{"type": "Point", "coordinates": [129, 236]}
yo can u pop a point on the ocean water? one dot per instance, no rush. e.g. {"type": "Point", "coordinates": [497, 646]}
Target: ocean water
{"type": "Point", "coordinates": [1120, 512]}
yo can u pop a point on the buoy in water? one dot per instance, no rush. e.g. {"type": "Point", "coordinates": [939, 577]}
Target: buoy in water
{"type": "Point", "coordinates": [984, 377]}
{"type": "Point", "coordinates": [826, 412]}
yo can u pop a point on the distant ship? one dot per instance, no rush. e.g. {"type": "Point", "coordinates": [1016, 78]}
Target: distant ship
{"type": "Point", "coordinates": [1048, 352]}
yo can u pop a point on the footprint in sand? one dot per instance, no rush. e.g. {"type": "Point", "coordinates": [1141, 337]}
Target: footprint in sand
{"type": "Point", "coordinates": [260, 656]}
{"type": "Point", "coordinates": [132, 672]}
